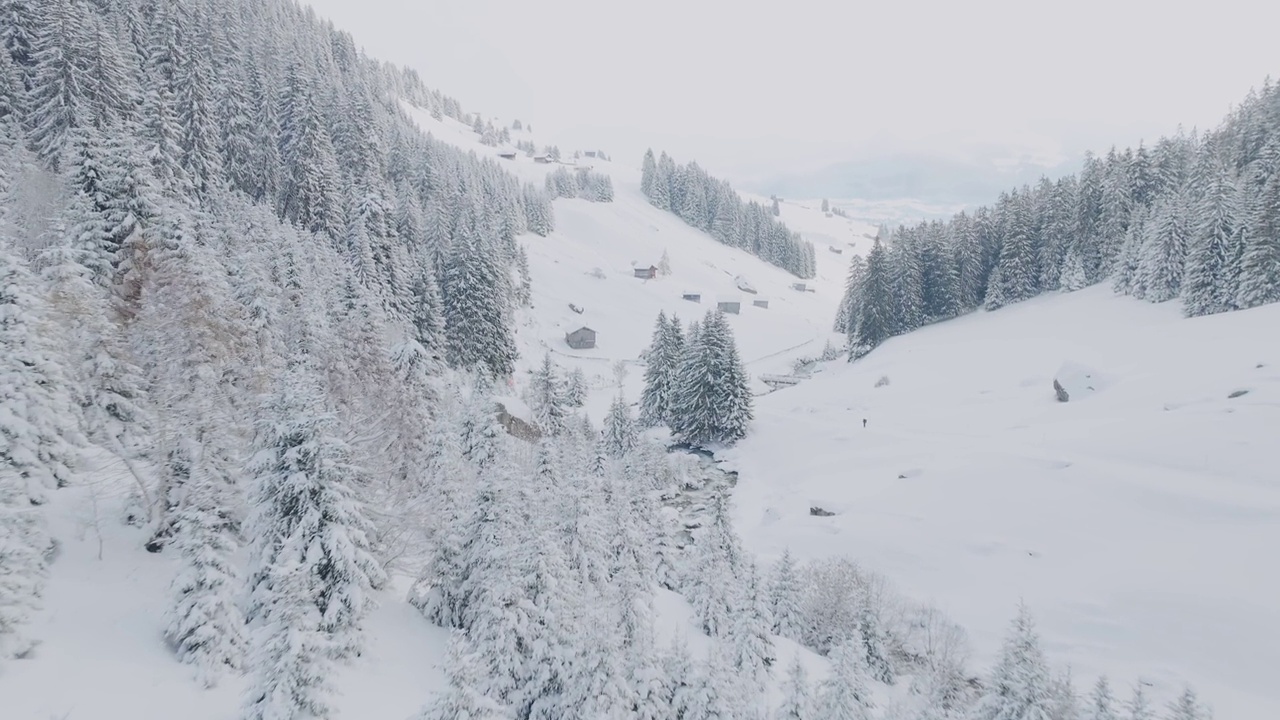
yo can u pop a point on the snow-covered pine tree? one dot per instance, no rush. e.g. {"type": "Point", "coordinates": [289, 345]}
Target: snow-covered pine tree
{"type": "Point", "coordinates": [797, 697]}
{"type": "Point", "coordinates": [1164, 251]}
{"type": "Point", "coordinates": [619, 428]}
{"type": "Point", "coordinates": [1259, 263]}
{"type": "Point", "coordinates": [426, 311]}
{"type": "Point", "coordinates": [713, 584]}
{"type": "Point", "coordinates": [205, 627]}
{"type": "Point", "coordinates": [876, 314]}
{"type": "Point", "coordinates": [1101, 703]}
{"type": "Point", "coordinates": [1019, 687]}
{"type": "Point", "coordinates": [1072, 276]}
{"type": "Point", "coordinates": [39, 435]}
{"type": "Point", "coordinates": [306, 520]}
{"type": "Point", "coordinates": [524, 289]}
{"type": "Point", "coordinates": [1138, 707]}
{"type": "Point", "coordinates": [648, 175]}
{"type": "Point", "coordinates": [712, 398]}
{"type": "Point", "coordinates": [784, 598]}
{"type": "Point", "coordinates": [1188, 707]}
{"type": "Point", "coordinates": [576, 388]}
{"type": "Point", "coordinates": [34, 452]}
{"type": "Point", "coordinates": [1207, 286]}
{"type": "Point", "coordinates": [752, 647]}
{"type": "Point", "coordinates": [476, 318]}
{"type": "Point", "coordinates": [843, 695]}
{"type": "Point", "coordinates": [849, 311]}
{"type": "Point", "coordinates": [662, 361]}
{"type": "Point", "coordinates": [463, 699]}
{"type": "Point", "coordinates": [1066, 703]}
{"type": "Point", "coordinates": [548, 397]}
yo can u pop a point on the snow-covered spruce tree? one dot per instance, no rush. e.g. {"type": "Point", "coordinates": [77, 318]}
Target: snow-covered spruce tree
{"type": "Point", "coordinates": [306, 521]}
{"type": "Point", "coordinates": [1138, 707]}
{"type": "Point", "coordinates": [204, 625]}
{"type": "Point", "coordinates": [875, 640]}
{"type": "Point", "coordinates": [464, 699]}
{"type": "Point", "coordinates": [476, 318]}
{"type": "Point", "coordinates": [797, 698]}
{"type": "Point", "coordinates": [426, 311]}
{"type": "Point", "coordinates": [38, 434]}
{"type": "Point", "coordinates": [843, 695]}
{"type": "Point", "coordinates": [876, 315]}
{"type": "Point", "coordinates": [34, 451]}
{"type": "Point", "coordinates": [1065, 701]}
{"type": "Point", "coordinates": [784, 598]}
{"type": "Point", "coordinates": [1188, 707]}
{"type": "Point", "coordinates": [752, 646]}
{"type": "Point", "coordinates": [1019, 687]}
{"type": "Point", "coordinates": [1124, 275]}
{"type": "Point", "coordinates": [1101, 703]}
{"type": "Point", "coordinates": [648, 174]}
{"type": "Point", "coordinates": [1164, 251]}
{"type": "Point", "coordinates": [1207, 287]}
{"type": "Point", "coordinates": [619, 428]}
{"type": "Point", "coordinates": [662, 362]}
{"type": "Point", "coordinates": [848, 312]}
{"type": "Point", "coordinates": [576, 388]}
{"type": "Point", "coordinates": [712, 398]}
{"type": "Point", "coordinates": [24, 541]}
{"type": "Point", "coordinates": [547, 397]}
{"type": "Point", "coordinates": [111, 389]}
{"type": "Point", "coordinates": [1073, 276]}
{"type": "Point", "coordinates": [1259, 263]}
{"type": "Point", "coordinates": [714, 582]}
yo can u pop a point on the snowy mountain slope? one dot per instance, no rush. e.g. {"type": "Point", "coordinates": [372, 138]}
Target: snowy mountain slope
{"type": "Point", "coordinates": [627, 233]}
{"type": "Point", "coordinates": [107, 599]}
{"type": "Point", "coordinates": [1132, 521]}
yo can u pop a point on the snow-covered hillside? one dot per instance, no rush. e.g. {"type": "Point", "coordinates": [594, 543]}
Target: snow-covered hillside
{"type": "Point", "coordinates": [1136, 521]}
{"type": "Point", "coordinates": [588, 262]}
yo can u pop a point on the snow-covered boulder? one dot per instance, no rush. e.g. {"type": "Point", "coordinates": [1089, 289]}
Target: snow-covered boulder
{"type": "Point", "coordinates": [1075, 381]}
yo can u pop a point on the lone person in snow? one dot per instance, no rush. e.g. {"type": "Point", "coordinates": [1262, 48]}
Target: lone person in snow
{"type": "Point", "coordinates": [864, 422]}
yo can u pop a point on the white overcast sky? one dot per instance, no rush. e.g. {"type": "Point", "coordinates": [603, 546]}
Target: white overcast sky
{"type": "Point", "coordinates": [752, 87]}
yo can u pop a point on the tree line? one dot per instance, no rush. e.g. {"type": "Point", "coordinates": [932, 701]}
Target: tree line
{"type": "Point", "coordinates": [712, 205]}
{"type": "Point", "coordinates": [1195, 218]}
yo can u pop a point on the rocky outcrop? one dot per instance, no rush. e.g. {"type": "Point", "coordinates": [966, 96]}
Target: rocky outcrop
{"type": "Point", "coordinates": [516, 427]}
{"type": "Point", "coordinates": [1061, 392]}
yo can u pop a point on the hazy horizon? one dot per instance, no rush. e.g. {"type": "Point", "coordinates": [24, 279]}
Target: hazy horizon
{"type": "Point", "coordinates": [755, 91]}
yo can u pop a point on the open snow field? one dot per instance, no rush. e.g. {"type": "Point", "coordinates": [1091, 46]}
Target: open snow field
{"type": "Point", "coordinates": [1139, 523]}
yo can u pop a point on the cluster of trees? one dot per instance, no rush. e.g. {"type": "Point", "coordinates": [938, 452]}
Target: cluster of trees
{"type": "Point", "coordinates": [713, 206]}
{"type": "Point", "coordinates": [694, 381]}
{"type": "Point", "coordinates": [1195, 218]}
{"type": "Point", "coordinates": [201, 204]}
{"type": "Point", "coordinates": [553, 395]}
{"type": "Point", "coordinates": [581, 183]}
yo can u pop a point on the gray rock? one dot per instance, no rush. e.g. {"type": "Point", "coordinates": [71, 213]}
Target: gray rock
{"type": "Point", "coordinates": [1061, 392]}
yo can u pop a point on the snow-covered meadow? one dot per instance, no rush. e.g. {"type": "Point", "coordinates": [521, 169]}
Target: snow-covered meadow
{"type": "Point", "coordinates": [1135, 521]}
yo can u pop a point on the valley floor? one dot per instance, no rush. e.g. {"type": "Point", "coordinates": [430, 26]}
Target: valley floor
{"type": "Point", "coordinates": [1137, 522]}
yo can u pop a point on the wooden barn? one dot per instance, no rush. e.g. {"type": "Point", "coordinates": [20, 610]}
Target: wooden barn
{"type": "Point", "coordinates": [692, 297]}
{"type": "Point", "coordinates": [648, 273]}
{"type": "Point", "coordinates": [760, 303]}
{"type": "Point", "coordinates": [729, 305]}
{"type": "Point", "coordinates": [581, 339]}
